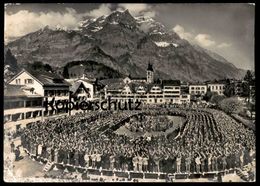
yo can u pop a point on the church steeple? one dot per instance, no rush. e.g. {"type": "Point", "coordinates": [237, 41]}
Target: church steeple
{"type": "Point", "coordinates": [149, 73]}
{"type": "Point", "coordinates": [150, 67]}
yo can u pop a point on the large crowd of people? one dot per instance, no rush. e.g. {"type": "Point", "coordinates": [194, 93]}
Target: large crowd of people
{"type": "Point", "coordinates": [144, 123]}
{"type": "Point", "coordinates": [209, 140]}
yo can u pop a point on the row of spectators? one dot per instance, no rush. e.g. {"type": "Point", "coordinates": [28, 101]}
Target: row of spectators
{"type": "Point", "coordinates": [209, 140]}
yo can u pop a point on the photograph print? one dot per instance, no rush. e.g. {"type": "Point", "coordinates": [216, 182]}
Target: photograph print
{"type": "Point", "coordinates": [117, 92]}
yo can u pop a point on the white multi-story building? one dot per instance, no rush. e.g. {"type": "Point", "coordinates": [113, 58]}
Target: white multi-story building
{"type": "Point", "coordinates": [26, 94]}
{"type": "Point", "coordinates": [171, 91]}
{"type": "Point", "coordinates": [197, 89]}
{"type": "Point", "coordinates": [21, 106]}
{"type": "Point", "coordinates": [164, 92]}
{"type": "Point", "coordinates": [217, 87]}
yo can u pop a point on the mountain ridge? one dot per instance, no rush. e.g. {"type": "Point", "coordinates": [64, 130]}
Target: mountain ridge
{"type": "Point", "coordinates": [126, 44]}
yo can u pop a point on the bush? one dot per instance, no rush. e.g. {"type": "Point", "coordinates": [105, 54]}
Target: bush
{"type": "Point", "coordinates": [231, 105]}
{"type": "Point", "coordinates": [216, 99]}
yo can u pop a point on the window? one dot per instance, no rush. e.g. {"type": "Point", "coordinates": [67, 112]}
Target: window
{"type": "Point", "coordinates": [202, 88]}
{"type": "Point", "coordinates": [28, 81]}
{"type": "Point", "coordinates": [216, 87]}
{"type": "Point", "coordinates": [192, 88]}
{"type": "Point", "coordinates": [173, 92]}
{"type": "Point", "coordinates": [18, 81]}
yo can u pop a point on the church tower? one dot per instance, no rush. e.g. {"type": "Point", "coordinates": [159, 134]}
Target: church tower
{"type": "Point", "coordinates": [149, 74]}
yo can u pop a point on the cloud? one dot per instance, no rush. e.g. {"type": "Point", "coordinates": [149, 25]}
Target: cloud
{"type": "Point", "coordinates": [224, 45]}
{"type": "Point", "coordinates": [182, 33]}
{"type": "Point", "coordinates": [204, 40]}
{"type": "Point", "coordinates": [24, 21]}
{"type": "Point", "coordinates": [104, 9]}
{"type": "Point", "coordinates": [137, 9]}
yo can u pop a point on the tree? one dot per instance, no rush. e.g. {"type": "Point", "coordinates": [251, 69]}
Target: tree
{"type": "Point", "coordinates": [10, 60]}
{"type": "Point", "coordinates": [249, 81]}
{"type": "Point", "coordinates": [249, 77]}
{"type": "Point", "coordinates": [65, 72]}
{"type": "Point", "coordinates": [229, 89]}
{"type": "Point", "coordinates": [231, 105]}
{"type": "Point", "coordinates": [48, 68]}
{"type": "Point", "coordinates": [208, 95]}
{"type": "Point", "coordinates": [215, 98]}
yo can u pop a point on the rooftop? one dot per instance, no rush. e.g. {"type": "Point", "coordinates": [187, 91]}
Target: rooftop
{"type": "Point", "coordinates": [171, 82]}
{"type": "Point", "coordinates": [19, 91]}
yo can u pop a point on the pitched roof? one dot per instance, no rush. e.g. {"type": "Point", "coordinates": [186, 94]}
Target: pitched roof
{"type": "Point", "coordinates": [48, 78]}
{"type": "Point", "coordinates": [147, 87]}
{"type": "Point", "coordinates": [18, 91]}
{"type": "Point", "coordinates": [115, 86]}
{"type": "Point", "coordinates": [138, 78]}
{"type": "Point", "coordinates": [75, 87]}
{"type": "Point", "coordinates": [111, 81]}
{"type": "Point", "coordinates": [171, 82]}
{"type": "Point", "coordinates": [14, 90]}
{"type": "Point", "coordinates": [44, 78]}
{"type": "Point", "coordinates": [150, 67]}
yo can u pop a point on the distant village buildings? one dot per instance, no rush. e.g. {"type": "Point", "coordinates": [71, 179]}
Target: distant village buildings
{"type": "Point", "coordinates": [217, 87]}
{"type": "Point", "coordinates": [146, 90]}
{"type": "Point", "coordinates": [25, 93]}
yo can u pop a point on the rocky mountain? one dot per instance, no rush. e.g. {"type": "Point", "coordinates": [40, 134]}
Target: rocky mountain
{"type": "Point", "coordinates": [125, 44]}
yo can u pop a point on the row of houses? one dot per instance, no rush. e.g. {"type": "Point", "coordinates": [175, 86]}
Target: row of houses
{"type": "Point", "coordinates": [159, 92]}
{"type": "Point", "coordinates": [25, 93]}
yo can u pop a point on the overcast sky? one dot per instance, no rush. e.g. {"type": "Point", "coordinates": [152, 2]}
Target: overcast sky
{"type": "Point", "coordinates": [227, 29]}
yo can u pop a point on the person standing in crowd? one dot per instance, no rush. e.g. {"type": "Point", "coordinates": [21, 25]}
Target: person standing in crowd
{"type": "Point", "coordinates": [187, 163]}
{"type": "Point", "coordinates": [145, 163]}
{"type": "Point", "coordinates": [224, 162]}
{"type": "Point", "coordinates": [241, 158]}
{"type": "Point", "coordinates": [40, 149]}
{"type": "Point", "coordinates": [178, 161]}
{"type": "Point", "coordinates": [209, 162]}
{"type": "Point", "coordinates": [198, 163]}
{"type": "Point", "coordinates": [112, 161]}
{"type": "Point", "coordinates": [214, 163]}
{"type": "Point", "coordinates": [86, 158]}
{"type": "Point", "coordinates": [49, 154]}
{"type": "Point", "coordinates": [203, 159]}
{"type": "Point", "coordinates": [140, 163]}
{"type": "Point", "coordinates": [98, 160]}
{"type": "Point", "coordinates": [252, 154]}
{"type": "Point", "coordinates": [76, 158]}
{"type": "Point", "coordinates": [237, 158]}
{"type": "Point", "coordinates": [93, 158]}
{"type": "Point", "coordinates": [56, 155]}
{"type": "Point", "coordinates": [135, 163]}
{"type": "Point", "coordinates": [157, 163]}
{"type": "Point", "coordinates": [12, 147]}
{"type": "Point", "coordinates": [68, 157]}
